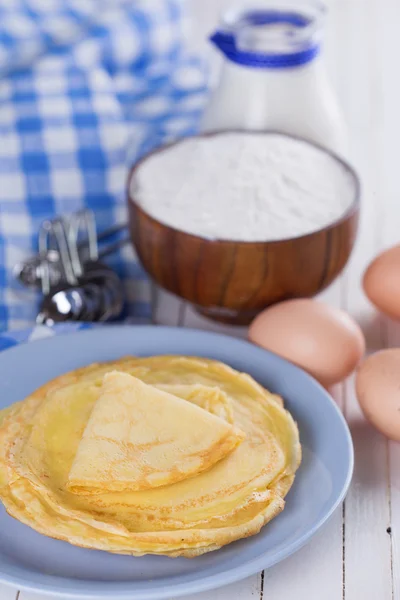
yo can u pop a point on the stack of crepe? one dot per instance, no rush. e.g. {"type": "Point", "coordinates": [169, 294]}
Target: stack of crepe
{"type": "Point", "coordinates": [164, 455]}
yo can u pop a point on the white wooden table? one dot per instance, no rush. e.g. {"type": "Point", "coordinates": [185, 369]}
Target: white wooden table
{"type": "Point", "coordinates": [357, 555]}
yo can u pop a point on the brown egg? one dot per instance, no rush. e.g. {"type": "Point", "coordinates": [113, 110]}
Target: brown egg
{"type": "Point", "coordinates": [382, 282]}
{"type": "Point", "coordinates": [323, 340]}
{"type": "Point", "coordinates": [378, 391]}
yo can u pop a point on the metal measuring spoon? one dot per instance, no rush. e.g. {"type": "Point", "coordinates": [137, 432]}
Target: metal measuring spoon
{"type": "Point", "coordinates": [109, 289]}
{"type": "Point", "coordinates": [88, 290]}
{"type": "Point", "coordinates": [29, 272]}
{"type": "Point", "coordinates": [97, 297]}
{"type": "Point", "coordinates": [62, 305]}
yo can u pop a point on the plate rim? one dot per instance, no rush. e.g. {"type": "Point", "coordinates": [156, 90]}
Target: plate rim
{"type": "Point", "coordinates": [123, 590]}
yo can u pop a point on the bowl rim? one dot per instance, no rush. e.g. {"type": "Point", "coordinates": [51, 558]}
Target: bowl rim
{"type": "Point", "coordinates": [348, 213]}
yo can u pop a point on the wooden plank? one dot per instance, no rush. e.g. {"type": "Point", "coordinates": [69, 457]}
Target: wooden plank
{"type": "Point", "coordinates": [392, 331]}
{"type": "Point", "coordinates": [393, 530]}
{"type": "Point", "coordinates": [389, 191]}
{"type": "Point", "coordinates": [167, 309]}
{"type": "Point", "coordinates": [367, 545]}
{"type": "Point", "coordinates": [248, 589]}
{"type": "Point", "coordinates": [313, 573]}
{"type": "Point", "coordinates": [39, 596]}
{"type": "Point", "coordinates": [8, 593]}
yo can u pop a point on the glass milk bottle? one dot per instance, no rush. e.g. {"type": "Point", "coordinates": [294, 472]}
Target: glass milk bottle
{"type": "Point", "coordinates": [273, 75]}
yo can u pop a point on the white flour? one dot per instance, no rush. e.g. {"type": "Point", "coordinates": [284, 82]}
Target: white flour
{"type": "Point", "coordinates": [248, 187]}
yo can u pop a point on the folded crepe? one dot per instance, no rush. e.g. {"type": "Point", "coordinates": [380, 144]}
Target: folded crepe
{"type": "Point", "coordinates": [140, 437]}
{"type": "Point", "coordinates": [211, 399]}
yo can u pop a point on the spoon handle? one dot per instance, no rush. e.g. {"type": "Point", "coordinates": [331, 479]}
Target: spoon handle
{"type": "Point", "coordinates": [113, 247]}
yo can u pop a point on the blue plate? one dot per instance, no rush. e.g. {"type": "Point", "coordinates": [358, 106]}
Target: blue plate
{"type": "Point", "coordinates": [31, 561]}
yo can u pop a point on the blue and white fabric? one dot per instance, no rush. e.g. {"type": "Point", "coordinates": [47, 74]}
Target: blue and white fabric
{"type": "Point", "coordinates": [8, 339]}
{"type": "Point", "coordinates": [86, 87]}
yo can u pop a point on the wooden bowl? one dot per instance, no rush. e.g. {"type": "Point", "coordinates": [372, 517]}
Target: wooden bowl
{"type": "Point", "coordinates": [232, 281]}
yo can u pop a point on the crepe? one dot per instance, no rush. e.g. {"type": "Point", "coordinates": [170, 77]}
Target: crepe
{"type": "Point", "coordinates": [232, 499]}
{"type": "Point", "coordinates": [211, 399]}
{"type": "Point", "coordinates": [139, 437]}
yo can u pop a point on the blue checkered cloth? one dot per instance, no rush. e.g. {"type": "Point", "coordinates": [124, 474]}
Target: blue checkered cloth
{"type": "Point", "coordinates": [8, 339]}
{"type": "Point", "coordinates": [86, 88]}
